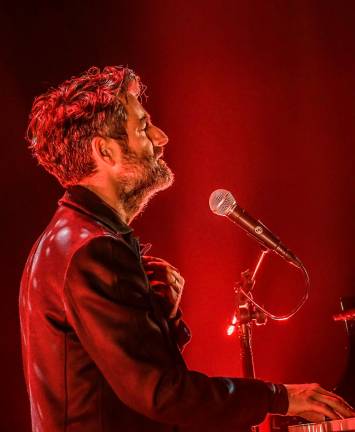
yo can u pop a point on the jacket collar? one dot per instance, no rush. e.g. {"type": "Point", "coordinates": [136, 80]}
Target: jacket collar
{"type": "Point", "coordinates": [82, 199]}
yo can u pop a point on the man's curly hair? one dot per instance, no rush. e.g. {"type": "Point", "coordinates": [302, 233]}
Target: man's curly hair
{"type": "Point", "coordinates": [64, 120]}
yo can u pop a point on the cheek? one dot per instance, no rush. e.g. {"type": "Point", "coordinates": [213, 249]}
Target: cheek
{"type": "Point", "coordinates": [137, 143]}
{"type": "Point", "coordinates": [146, 146]}
{"type": "Point", "coordinates": [140, 143]}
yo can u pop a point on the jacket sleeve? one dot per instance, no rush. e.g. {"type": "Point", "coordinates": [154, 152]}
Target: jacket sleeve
{"type": "Point", "coordinates": [106, 302]}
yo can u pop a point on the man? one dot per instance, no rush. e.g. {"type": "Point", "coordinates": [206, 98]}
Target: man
{"type": "Point", "coordinates": [102, 332]}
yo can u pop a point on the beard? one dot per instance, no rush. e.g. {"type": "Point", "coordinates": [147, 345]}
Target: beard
{"type": "Point", "coordinates": [143, 177]}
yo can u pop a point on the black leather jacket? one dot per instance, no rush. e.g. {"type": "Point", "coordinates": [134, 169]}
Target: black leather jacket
{"type": "Point", "coordinates": [98, 353]}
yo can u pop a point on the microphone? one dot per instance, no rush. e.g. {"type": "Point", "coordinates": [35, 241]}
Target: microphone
{"type": "Point", "coordinates": [223, 203]}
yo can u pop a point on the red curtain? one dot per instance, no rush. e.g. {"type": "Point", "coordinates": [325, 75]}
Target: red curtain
{"type": "Point", "coordinates": [257, 97]}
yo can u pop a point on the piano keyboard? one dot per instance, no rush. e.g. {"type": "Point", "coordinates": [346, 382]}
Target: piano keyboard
{"type": "Point", "coordinates": [344, 425]}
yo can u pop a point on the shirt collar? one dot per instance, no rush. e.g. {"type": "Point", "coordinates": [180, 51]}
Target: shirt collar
{"type": "Point", "coordinates": [82, 199]}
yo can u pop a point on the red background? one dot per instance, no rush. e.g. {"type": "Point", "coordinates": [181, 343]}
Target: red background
{"type": "Point", "coordinates": [257, 97]}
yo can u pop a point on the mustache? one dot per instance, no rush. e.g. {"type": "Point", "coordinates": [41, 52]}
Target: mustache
{"type": "Point", "coordinates": [158, 152]}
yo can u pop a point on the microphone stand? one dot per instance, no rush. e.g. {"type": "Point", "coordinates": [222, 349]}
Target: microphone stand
{"type": "Point", "coordinates": [245, 314]}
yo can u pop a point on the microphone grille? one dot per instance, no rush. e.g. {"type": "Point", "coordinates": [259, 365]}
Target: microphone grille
{"type": "Point", "coordinates": [222, 202]}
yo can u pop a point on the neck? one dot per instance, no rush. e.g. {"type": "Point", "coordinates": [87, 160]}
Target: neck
{"type": "Point", "coordinates": [110, 198]}
{"type": "Point", "coordinates": [127, 203]}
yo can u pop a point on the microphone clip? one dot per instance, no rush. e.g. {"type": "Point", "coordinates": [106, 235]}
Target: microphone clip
{"type": "Point", "coordinates": [245, 310]}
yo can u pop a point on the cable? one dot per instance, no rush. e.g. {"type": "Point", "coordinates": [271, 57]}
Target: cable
{"type": "Point", "coordinates": [290, 314]}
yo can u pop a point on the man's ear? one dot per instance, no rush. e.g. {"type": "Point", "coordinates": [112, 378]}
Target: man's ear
{"type": "Point", "coordinates": [104, 150]}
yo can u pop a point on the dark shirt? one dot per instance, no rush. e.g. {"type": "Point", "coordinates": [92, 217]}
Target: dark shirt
{"type": "Point", "coordinates": [99, 354]}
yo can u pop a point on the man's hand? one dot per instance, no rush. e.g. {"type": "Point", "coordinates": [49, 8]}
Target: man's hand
{"type": "Point", "coordinates": [166, 282]}
{"type": "Point", "coordinates": [313, 403]}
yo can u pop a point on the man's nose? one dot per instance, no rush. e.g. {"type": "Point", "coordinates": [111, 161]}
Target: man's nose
{"type": "Point", "coordinates": [158, 137]}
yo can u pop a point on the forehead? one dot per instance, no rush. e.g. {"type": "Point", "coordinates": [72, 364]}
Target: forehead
{"type": "Point", "coordinates": [134, 108]}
